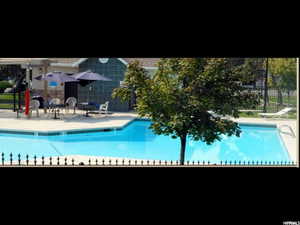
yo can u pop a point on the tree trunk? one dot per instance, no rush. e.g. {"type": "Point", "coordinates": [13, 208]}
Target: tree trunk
{"type": "Point", "coordinates": [182, 150]}
{"type": "Point", "coordinates": [266, 86]}
{"type": "Point", "coordinates": [280, 98]}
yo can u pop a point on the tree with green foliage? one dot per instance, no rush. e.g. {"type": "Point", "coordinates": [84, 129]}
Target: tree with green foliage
{"type": "Point", "coordinates": [187, 97]}
{"type": "Point", "coordinates": [283, 75]}
{"type": "Point", "coordinates": [4, 85]}
{"type": "Point", "coordinates": [133, 78]}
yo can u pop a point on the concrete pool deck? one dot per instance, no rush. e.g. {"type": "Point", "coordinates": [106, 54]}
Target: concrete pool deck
{"type": "Point", "coordinates": [70, 122]}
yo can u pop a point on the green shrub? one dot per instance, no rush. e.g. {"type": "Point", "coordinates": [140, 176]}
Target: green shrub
{"type": "Point", "coordinates": [5, 84]}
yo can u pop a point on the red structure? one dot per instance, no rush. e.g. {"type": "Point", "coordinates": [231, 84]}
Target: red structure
{"type": "Point", "coordinates": [27, 101]}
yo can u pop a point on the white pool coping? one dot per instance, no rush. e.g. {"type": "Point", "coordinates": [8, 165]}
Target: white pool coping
{"type": "Point", "coordinates": [43, 125]}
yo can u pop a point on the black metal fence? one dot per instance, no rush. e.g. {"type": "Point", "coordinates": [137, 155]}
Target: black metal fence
{"type": "Point", "coordinates": [11, 161]}
{"type": "Point", "coordinates": [276, 99]}
{"type": "Point", "coordinates": [7, 100]}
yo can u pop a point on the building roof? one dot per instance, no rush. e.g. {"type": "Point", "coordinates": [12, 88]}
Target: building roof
{"type": "Point", "coordinates": [150, 63]}
{"type": "Point", "coordinates": [145, 62]}
{"type": "Point", "coordinates": [16, 61]}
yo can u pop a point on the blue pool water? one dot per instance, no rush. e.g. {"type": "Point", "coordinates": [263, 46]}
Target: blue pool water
{"type": "Point", "coordinates": [137, 141]}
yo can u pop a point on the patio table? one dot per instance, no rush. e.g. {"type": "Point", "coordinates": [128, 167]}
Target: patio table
{"type": "Point", "coordinates": [56, 109]}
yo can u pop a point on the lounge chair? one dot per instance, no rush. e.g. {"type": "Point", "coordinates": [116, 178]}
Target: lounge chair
{"type": "Point", "coordinates": [278, 114]}
{"type": "Point", "coordinates": [217, 115]}
{"type": "Point", "coordinates": [71, 104]}
{"type": "Point", "coordinates": [103, 109]}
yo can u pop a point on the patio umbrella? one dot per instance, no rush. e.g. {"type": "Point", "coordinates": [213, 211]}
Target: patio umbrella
{"type": "Point", "coordinates": [58, 77]}
{"type": "Point", "coordinates": [87, 77]}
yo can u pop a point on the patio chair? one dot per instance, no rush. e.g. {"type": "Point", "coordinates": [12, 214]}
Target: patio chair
{"type": "Point", "coordinates": [103, 109]}
{"type": "Point", "coordinates": [34, 106]}
{"type": "Point", "coordinates": [278, 114]}
{"type": "Point", "coordinates": [71, 104]}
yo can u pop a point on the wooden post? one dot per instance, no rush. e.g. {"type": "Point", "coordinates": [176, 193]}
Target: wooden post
{"type": "Point", "coordinates": [45, 87]}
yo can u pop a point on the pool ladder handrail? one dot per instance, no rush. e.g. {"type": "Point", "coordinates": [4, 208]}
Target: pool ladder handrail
{"type": "Point", "coordinates": [288, 126]}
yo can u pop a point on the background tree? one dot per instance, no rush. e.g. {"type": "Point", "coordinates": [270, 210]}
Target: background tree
{"type": "Point", "coordinates": [10, 71]}
{"type": "Point", "coordinates": [289, 77]}
{"type": "Point", "coordinates": [134, 76]}
{"type": "Point", "coordinates": [256, 68]}
{"type": "Point", "coordinates": [283, 76]}
{"type": "Point", "coordinates": [182, 91]}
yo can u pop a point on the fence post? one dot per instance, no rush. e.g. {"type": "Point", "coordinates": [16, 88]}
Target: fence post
{"type": "Point", "coordinates": [27, 160]}
{"type": "Point", "coordinates": [50, 161]}
{"type": "Point", "coordinates": [66, 161]}
{"type": "Point", "coordinates": [103, 162]}
{"type": "Point", "coordinates": [43, 162]}
{"type": "Point", "coordinates": [73, 162]}
{"type": "Point", "coordinates": [11, 158]}
{"type": "Point", "coordinates": [89, 162]}
{"type": "Point", "coordinates": [19, 159]}
{"type": "Point", "coordinates": [35, 160]}
{"type": "Point", "coordinates": [96, 162]}
{"type": "Point", "coordinates": [2, 159]}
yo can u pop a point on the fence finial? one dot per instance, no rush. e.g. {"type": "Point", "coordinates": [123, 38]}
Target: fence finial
{"type": "Point", "coordinates": [19, 159]}
{"type": "Point", "coordinates": [11, 158]}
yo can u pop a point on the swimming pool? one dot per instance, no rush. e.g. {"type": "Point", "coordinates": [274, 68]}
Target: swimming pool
{"type": "Point", "coordinates": [137, 141]}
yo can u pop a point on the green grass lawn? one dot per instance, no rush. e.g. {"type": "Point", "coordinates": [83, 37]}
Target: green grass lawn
{"type": "Point", "coordinates": [6, 106]}
{"type": "Point", "coordinates": [9, 97]}
{"type": "Point", "coordinates": [291, 101]}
